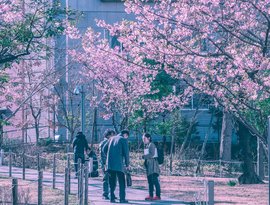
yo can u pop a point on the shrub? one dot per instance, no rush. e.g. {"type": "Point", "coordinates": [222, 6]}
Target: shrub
{"type": "Point", "coordinates": [232, 183]}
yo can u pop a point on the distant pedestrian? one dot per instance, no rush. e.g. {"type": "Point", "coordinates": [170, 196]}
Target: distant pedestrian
{"type": "Point", "coordinates": [80, 145]}
{"type": "Point", "coordinates": [94, 172]}
{"type": "Point", "coordinates": [117, 163]}
{"type": "Point", "coordinates": [107, 135]}
{"type": "Point", "coordinates": [152, 167]}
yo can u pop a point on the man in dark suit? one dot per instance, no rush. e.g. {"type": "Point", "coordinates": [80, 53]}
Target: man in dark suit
{"type": "Point", "coordinates": [117, 153]}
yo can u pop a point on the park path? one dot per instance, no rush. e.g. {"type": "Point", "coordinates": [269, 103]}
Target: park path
{"type": "Point", "coordinates": [135, 196]}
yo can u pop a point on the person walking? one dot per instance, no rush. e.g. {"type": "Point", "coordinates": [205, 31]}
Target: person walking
{"type": "Point", "coordinates": [117, 163]}
{"type": "Point", "coordinates": [107, 135]}
{"type": "Point", "coordinates": [80, 145]}
{"type": "Point", "coordinates": [152, 167]}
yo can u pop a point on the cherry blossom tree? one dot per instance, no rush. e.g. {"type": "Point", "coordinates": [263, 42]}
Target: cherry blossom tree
{"type": "Point", "coordinates": [24, 25]}
{"type": "Point", "coordinates": [28, 90]}
{"type": "Point", "coordinates": [201, 43]}
{"type": "Point", "coordinates": [125, 86]}
{"type": "Point", "coordinates": [26, 28]}
{"type": "Point", "coordinates": [220, 48]}
{"type": "Point", "coordinates": [67, 106]}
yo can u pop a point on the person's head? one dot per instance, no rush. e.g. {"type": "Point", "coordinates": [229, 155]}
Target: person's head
{"type": "Point", "coordinates": [125, 133]}
{"type": "Point", "coordinates": [109, 133]}
{"type": "Point", "coordinates": [80, 134]}
{"type": "Point", "coordinates": [147, 138]}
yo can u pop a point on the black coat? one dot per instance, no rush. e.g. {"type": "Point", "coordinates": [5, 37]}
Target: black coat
{"type": "Point", "coordinates": [117, 152]}
{"type": "Point", "coordinates": [80, 144]}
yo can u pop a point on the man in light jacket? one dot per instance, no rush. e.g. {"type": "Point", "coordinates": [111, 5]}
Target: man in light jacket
{"type": "Point", "coordinates": [107, 135]}
{"type": "Point", "coordinates": [117, 162]}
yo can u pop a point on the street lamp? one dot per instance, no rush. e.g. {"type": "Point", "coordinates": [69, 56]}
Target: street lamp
{"type": "Point", "coordinates": [80, 90]}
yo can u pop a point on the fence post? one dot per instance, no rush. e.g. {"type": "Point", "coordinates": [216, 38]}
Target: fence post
{"type": "Point", "coordinates": [23, 166]}
{"type": "Point", "coordinates": [260, 156]}
{"type": "Point", "coordinates": [40, 179]}
{"type": "Point", "coordinates": [86, 184]}
{"type": "Point", "coordinates": [67, 148]}
{"type": "Point", "coordinates": [91, 164]}
{"type": "Point", "coordinates": [14, 191]}
{"type": "Point", "coordinates": [78, 174]}
{"type": "Point", "coordinates": [10, 163]}
{"type": "Point", "coordinates": [220, 168]}
{"type": "Point", "coordinates": [210, 191]}
{"type": "Point", "coordinates": [68, 166]}
{"type": "Point", "coordinates": [66, 187]}
{"type": "Point", "coordinates": [54, 171]}
{"type": "Point", "coordinates": [81, 183]}
{"type": "Point", "coordinates": [1, 157]}
{"type": "Point", "coordinates": [268, 141]}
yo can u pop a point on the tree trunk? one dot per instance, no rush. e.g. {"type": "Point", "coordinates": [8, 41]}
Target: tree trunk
{"type": "Point", "coordinates": [124, 123]}
{"type": "Point", "coordinates": [114, 123]}
{"type": "Point", "coordinates": [171, 152]}
{"type": "Point", "coordinates": [173, 134]}
{"type": "Point", "coordinates": [144, 125]}
{"type": "Point", "coordinates": [226, 137]}
{"type": "Point", "coordinates": [249, 175]}
{"type": "Point", "coordinates": [94, 128]}
{"type": "Point", "coordinates": [37, 131]}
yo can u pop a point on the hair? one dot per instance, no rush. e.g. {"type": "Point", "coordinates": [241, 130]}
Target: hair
{"type": "Point", "coordinates": [108, 133]}
{"type": "Point", "coordinates": [80, 135]}
{"type": "Point", "coordinates": [148, 136]}
{"type": "Point", "coordinates": [124, 132]}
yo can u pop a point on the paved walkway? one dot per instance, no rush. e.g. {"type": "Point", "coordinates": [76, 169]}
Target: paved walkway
{"type": "Point", "coordinates": [135, 196]}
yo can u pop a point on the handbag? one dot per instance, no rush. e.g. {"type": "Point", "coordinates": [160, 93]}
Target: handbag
{"type": "Point", "coordinates": [128, 179]}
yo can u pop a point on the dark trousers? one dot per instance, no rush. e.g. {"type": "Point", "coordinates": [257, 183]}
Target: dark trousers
{"type": "Point", "coordinates": [105, 183]}
{"type": "Point", "coordinates": [153, 181]}
{"type": "Point", "coordinates": [76, 157]}
{"type": "Point", "coordinates": [121, 181]}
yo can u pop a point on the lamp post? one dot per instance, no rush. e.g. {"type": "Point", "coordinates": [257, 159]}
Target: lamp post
{"type": "Point", "coordinates": [80, 90]}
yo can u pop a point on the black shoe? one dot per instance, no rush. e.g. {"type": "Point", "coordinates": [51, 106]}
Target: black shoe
{"type": "Point", "coordinates": [113, 201]}
{"type": "Point", "coordinates": [106, 198]}
{"type": "Point", "coordinates": [123, 201]}
{"type": "Point", "coordinates": [112, 197]}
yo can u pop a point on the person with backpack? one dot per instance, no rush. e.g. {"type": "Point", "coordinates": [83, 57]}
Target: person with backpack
{"type": "Point", "coordinates": [152, 168]}
{"type": "Point", "coordinates": [80, 145]}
